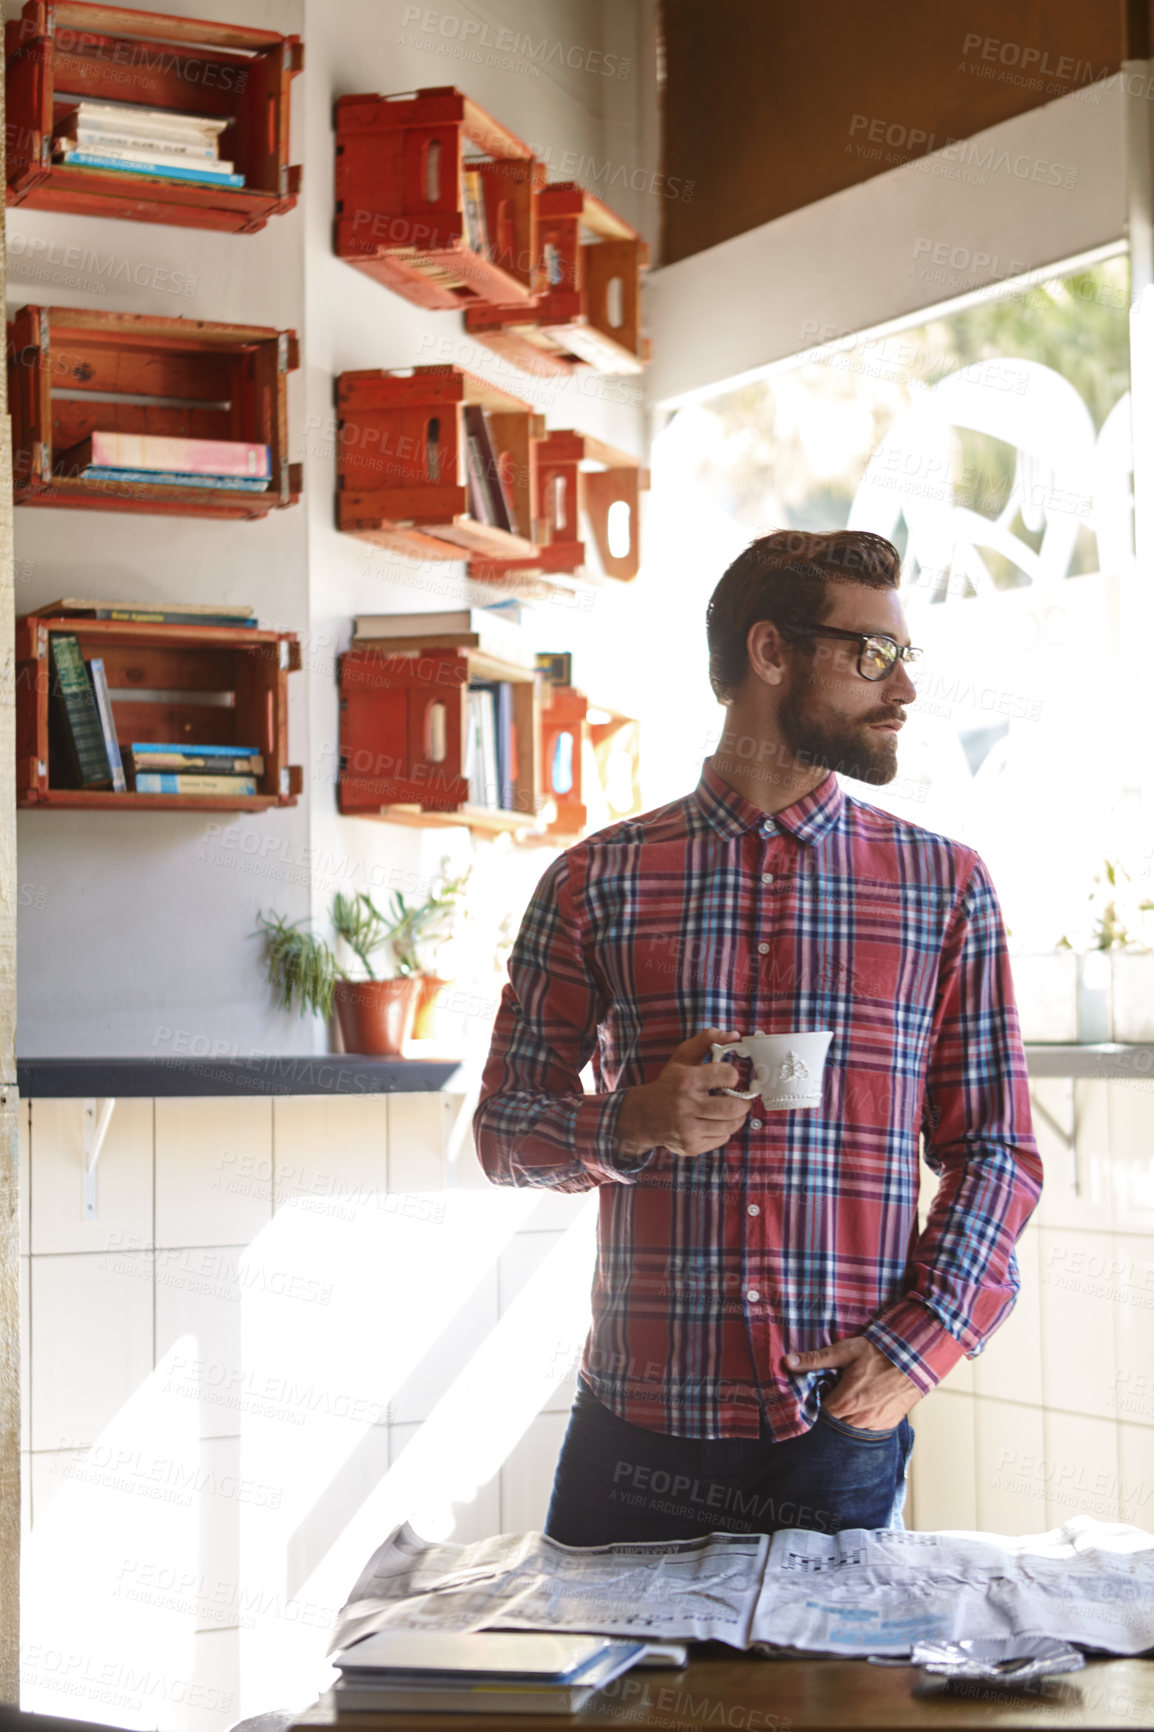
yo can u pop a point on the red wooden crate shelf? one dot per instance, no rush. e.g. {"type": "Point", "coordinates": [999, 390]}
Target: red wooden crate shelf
{"type": "Point", "coordinates": [401, 198]}
{"type": "Point", "coordinates": [185, 670]}
{"type": "Point", "coordinates": [567, 712]}
{"type": "Point", "coordinates": [403, 733]}
{"type": "Point", "coordinates": [576, 476]}
{"type": "Point", "coordinates": [68, 51]}
{"type": "Point", "coordinates": [71, 372]}
{"type": "Point", "coordinates": [588, 310]}
{"type": "Point", "coordinates": [401, 474]}
{"type": "Point", "coordinates": [62, 51]}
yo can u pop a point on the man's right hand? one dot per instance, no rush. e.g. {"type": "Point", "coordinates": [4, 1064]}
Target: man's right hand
{"type": "Point", "coordinates": [677, 1112]}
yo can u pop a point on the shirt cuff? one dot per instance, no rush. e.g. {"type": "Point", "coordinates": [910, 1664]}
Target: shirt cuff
{"type": "Point", "coordinates": [594, 1128]}
{"type": "Point", "coordinates": [917, 1342]}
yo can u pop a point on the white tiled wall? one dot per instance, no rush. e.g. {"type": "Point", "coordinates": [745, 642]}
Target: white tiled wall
{"type": "Point", "coordinates": [1056, 1417]}
{"type": "Point", "coordinates": [291, 1323]}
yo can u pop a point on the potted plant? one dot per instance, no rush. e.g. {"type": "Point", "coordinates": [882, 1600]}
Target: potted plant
{"type": "Point", "coordinates": [1115, 967]}
{"type": "Point", "coordinates": [375, 1013]}
{"type": "Point", "coordinates": [420, 931]}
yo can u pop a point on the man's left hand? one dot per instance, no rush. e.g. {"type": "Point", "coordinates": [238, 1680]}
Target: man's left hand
{"type": "Point", "coordinates": [871, 1392]}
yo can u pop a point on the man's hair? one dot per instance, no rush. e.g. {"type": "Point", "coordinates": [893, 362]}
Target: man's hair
{"type": "Point", "coordinates": [784, 577]}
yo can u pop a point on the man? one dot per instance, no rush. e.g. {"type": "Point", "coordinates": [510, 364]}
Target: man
{"type": "Point", "coordinates": [765, 1311]}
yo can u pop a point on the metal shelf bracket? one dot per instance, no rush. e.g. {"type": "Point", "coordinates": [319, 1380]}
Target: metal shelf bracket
{"type": "Point", "coordinates": [97, 1117]}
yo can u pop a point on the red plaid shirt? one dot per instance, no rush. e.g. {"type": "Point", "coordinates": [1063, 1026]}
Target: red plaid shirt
{"type": "Point", "coordinates": [803, 1229]}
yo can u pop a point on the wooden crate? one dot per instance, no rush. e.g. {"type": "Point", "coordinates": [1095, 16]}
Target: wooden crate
{"type": "Point", "coordinates": [199, 663]}
{"type": "Point", "coordinates": [71, 372]}
{"type": "Point", "coordinates": [568, 715]}
{"type": "Point", "coordinates": [402, 735]}
{"type": "Point", "coordinates": [401, 462]}
{"type": "Point", "coordinates": [587, 314]}
{"type": "Point", "coordinates": [400, 198]}
{"type": "Point", "coordinates": [59, 51]}
{"type": "Point", "coordinates": [576, 475]}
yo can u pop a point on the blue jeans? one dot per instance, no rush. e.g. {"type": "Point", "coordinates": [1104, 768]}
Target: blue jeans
{"type": "Point", "coordinates": [617, 1481]}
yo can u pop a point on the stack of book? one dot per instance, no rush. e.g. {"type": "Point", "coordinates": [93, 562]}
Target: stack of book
{"type": "Point", "coordinates": [493, 630]}
{"type": "Point", "coordinates": [480, 1672]}
{"type": "Point", "coordinates": [155, 458]}
{"type": "Point", "coordinates": [489, 500]}
{"type": "Point", "coordinates": [135, 140]}
{"type": "Point", "coordinates": [163, 767]}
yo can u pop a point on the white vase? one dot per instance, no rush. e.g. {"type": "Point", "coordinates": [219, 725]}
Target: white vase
{"type": "Point", "coordinates": [1046, 990]}
{"type": "Point", "coordinates": [1095, 978]}
{"type": "Point", "coordinates": [1133, 989]}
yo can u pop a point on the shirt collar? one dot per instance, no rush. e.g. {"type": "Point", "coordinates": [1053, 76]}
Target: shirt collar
{"type": "Point", "coordinates": [730, 813]}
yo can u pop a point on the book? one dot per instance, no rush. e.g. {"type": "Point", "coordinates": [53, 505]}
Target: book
{"type": "Point", "coordinates": [175, 782]}
{"type": "Point", "coordinates": [223, 760]}
{"type": "Point", "coordinates": [238, 612]}
{"type": "Point", "coordinates": [80, 757]}
{"type": "Point", "coordinates": [101, 137]}
{"type": "Point", "coordinates": [482, 453]}
{"type": "Point", "coordinates": [151, 122]}
{"type": "Point", "coordinates": [109, 449]}
{"type": "Point", "coordinates": [140, 150]}
{"type": "Point", "coordinates": [557, 666]}
{"type": "Point", "coordinates": [473, 204]}
{"type": "Point", "coordinates": [531, 1672]}
{"type": "Point", "coordinates": [474, 620]}
{"type": "Point", "coordinates": [206, 174]}
{"type": "Point", "coordinates": [107, 724]}
{"type": "Point", "coordinates": [170, 478]}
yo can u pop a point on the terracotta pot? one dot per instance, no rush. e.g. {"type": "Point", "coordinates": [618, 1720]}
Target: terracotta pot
{"type": "Point", "coordinates": [430, 986]}
{"type": "Point", "coordinates": [376, 1016]}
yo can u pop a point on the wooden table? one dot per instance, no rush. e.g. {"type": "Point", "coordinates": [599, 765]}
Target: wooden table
{"type": "Point", "coordinates": [746, 1694]}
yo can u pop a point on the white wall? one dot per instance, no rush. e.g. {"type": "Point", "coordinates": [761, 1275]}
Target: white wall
{"type": "Point", "coordinates": [134, 927]}
{"type": "Point", "coordinates": [292, 1324]}
{"type": "Point", "coordinates": [865, 259]}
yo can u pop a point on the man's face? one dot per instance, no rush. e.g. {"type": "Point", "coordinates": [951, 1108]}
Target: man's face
{"type": "Point", "coordinates": [828, 710]}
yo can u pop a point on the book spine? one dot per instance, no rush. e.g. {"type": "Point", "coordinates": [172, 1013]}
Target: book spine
{"type": "Point", "coordinates": [147, 122]}
{"type": "Point", "coordinates": [171, 478]}
{"type": "Point", "coordinates": [191, 761]}
{"type": "Point", "coordinates": [89, 159]}
{"type": "Point", "coordinates": [111, 450]}
{"type": "Point", "coordinates": [107, 723]}
{"type": "Point", "coordinates": [78, 714]}
{"type": "Point", "coordinates": [165, 617]}
{"type": "Point", "coordinates": [173, 782]}
{"type": "Point", "coordinates": [138, 146]}
{"type": "Point", "coordinates": [166, 748]}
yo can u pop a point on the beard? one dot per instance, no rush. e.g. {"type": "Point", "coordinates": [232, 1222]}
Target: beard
{"type": "Point", "coordinates": [835, 742]}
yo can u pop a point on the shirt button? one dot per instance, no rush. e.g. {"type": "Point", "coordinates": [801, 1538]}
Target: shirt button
{"type": "Point", "coordinates": [767, 878]}
{"type": "Point", "coordinates": [768, 828]}
{"type": "Point", "coordinates": [755, 1125]}
{"type": "Point", "coordinates": [753, 1295]}
{"type": "Point", "coordinates": [753, 1209]}
{"type": "Point", "coordinates": [763, 950]}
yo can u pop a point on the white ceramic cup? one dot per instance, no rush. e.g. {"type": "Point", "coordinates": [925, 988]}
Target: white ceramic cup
{"type": "Point", "coordinates": [787, 1068]}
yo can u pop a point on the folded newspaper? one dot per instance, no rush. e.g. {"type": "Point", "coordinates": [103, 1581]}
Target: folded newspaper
{"type": "Point", "coordinates": [858, 1592]}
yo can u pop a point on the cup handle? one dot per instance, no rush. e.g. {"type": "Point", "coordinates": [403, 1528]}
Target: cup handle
{"type": "Point", "coordinates": [718, 1055]}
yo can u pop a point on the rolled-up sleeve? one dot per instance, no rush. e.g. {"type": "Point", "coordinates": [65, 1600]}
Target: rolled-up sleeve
{"type": "Point", "coordinates": [978, 1137]}
{"type": "Point", "coordinates": [534, 1123]}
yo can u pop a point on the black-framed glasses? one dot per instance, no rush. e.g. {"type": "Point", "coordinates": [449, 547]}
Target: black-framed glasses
{"type": "Point", "coordinates": [877, 652]}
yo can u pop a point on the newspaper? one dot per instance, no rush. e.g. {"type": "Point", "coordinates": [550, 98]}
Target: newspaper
{"type": "Point", "coordinates": [857, 1593]}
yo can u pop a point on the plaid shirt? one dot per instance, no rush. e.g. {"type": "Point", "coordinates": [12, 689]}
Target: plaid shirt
{"type": "Point", "coordinates": [803, 1228]}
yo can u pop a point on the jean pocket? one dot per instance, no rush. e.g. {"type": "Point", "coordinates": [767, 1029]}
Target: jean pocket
{"type": "Point", "coordinates": [857, 1431]}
